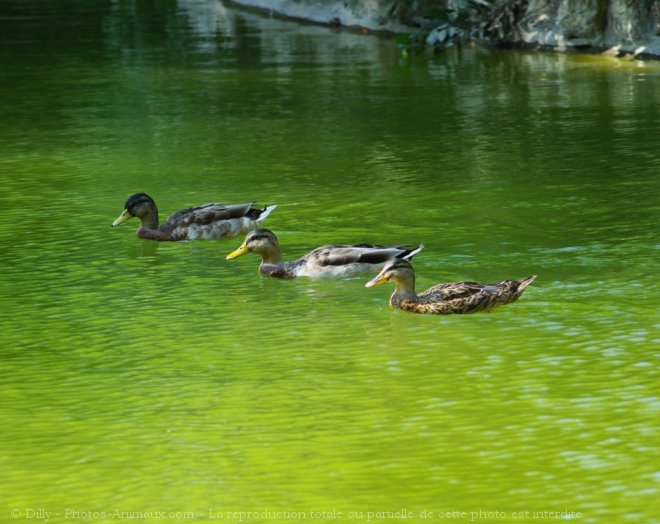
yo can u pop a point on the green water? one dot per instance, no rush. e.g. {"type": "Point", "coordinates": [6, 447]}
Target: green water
{"type": "Point", "coordinates": [158, 377]}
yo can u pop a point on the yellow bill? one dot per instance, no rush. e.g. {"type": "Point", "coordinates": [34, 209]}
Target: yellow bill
{"type": "Point", "coordinates": [122, 218]}
{"type": "Point", "coordinates": [376, 281]}
{"type": "Point", "coordinates": [238, 252]}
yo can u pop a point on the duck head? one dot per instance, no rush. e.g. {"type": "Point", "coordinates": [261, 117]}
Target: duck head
{"type": "Point", "coordinates": [141, 206]}
{"type": "Point", "coordinates": [262, 242]}
{"type": "Point", "coordinates": [398, 270]}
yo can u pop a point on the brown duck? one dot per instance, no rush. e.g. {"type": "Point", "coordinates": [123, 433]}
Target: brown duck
{"type": "Point", "coordinates": [445, 299]}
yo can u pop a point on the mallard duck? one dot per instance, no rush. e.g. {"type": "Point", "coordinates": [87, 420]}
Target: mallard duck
{"type": "Point", "coordinates": [325, 261]}
{"type": "Point", "coordinates": [444, 299]}
{"type": "Point", "coordinates": [207, 222]}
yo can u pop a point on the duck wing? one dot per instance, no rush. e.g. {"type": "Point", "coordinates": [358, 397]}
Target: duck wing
{"type": "Point", "coordinates": [459, 290]}
{"type": "Point", "coordinates": [338, 255]}
{"type": "Point", "coordinates": [206, 214]}
{"type": "Point", "coordinates": [469, 297]}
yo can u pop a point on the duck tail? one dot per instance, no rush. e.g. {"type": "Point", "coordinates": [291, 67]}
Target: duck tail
{"type": "Point", "coordinates": [525, 282]}
{"type": "Point", "coordinates": [411, 253]}
{"type": "Point", "coordinates": [266, 211]}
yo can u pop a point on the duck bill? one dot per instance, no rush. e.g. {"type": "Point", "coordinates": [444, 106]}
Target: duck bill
{"type": "Point", "coordinates": [237, 253]}
{"type": "Point", "coordinates": [376, 281]}
{"type": "Point", "coordinates": [122, 218]}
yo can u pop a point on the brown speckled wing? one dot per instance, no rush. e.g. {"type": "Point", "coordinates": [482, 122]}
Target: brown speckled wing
{"type": "Point", "coordinates": [466, 297]}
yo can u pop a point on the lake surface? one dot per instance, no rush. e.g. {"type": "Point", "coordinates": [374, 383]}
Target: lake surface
{"type": "Point", "coordinates": [142, 377]}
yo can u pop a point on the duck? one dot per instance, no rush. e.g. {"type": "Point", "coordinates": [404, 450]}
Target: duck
{"type": "Point", "coordinates": [206, 222]}
{"type": "Point", "coordinates": [449, 298]}
{"type": "Point", "coordinates": [325, 261]}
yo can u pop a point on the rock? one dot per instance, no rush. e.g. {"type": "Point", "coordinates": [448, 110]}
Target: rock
{"type": "Point", "coordinates": [374, 15]}
{"type": "Point", "coordinates": [630, 27]}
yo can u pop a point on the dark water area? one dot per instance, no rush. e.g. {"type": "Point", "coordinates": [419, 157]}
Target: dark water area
{"type": "Point", "coordinates": [144, 376]}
